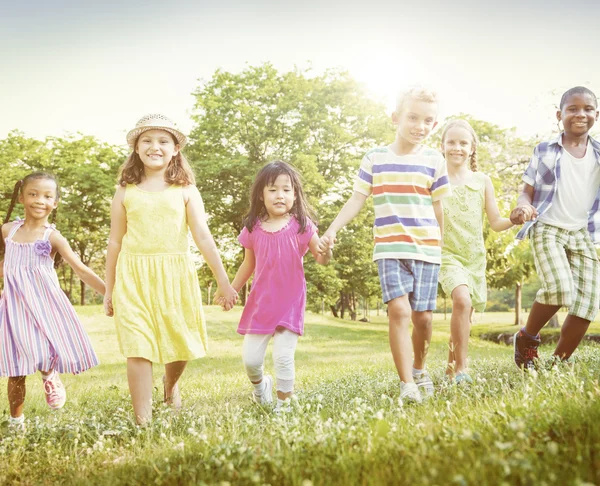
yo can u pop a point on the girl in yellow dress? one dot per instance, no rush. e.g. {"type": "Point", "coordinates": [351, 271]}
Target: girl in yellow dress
{"type": "Point", "coordinates": [151, 283]}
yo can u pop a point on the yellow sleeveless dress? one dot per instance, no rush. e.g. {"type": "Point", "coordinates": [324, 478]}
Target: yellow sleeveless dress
{"type": "Point", "coordinates": [156, 299]}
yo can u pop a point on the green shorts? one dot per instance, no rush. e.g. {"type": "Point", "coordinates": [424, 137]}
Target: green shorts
{"type": "Point", "coordinates": [567, 264]}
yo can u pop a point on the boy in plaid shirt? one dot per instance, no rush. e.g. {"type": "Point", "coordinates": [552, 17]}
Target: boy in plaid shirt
{"type": "Point", "coordinates": [560, 208]}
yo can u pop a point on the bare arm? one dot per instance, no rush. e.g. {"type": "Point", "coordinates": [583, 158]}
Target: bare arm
{"type": "Point", "coordinates": [322, 258]}
{"type": "Point", "coordinates": [438, 209]}
{"type": "Point", "coordinates": [524, 210]}
{"type": "Point", "coordinates": [245, 271]}
{"type": "Point", "coordinates": [5, 230]}
{"type": "Point", "coordinates": [118, 228]}
{"type": "Point", "coordinates": [196, 217]}
{"type": "Point", "coordinates": [86, 274]}
{"type": "Point", "coordinates": [497, 223]}
{"type": "Point", "coordinates": [350, 210]}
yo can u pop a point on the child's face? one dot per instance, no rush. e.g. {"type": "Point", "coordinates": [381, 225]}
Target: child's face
{"type": "Point", "coordinates": [156, 148]}
{"type": "Point", "coordinates": [415, 120]}
{"type": "Point", "coordinates": [39, 198]}
{"type": "Point", "coordinates": [578, 114]}
{"type": "Point", "coordinates": [279, 197]}
{"type": "Point", "coordinates": [457, 146]}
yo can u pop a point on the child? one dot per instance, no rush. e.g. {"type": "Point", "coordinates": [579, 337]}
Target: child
{"type": "Point", "coordinates": [277, 233]}
{"type": "Point", "coordinates": [39, 329]}
{"type": "Point", "coordinates": [560, 203]}
{"type": "Point", "coordinates": [151, 282]}
{"type": "Point", "coordinates": [408, 182]}
{"type": "Point", "coordinates": [462, 274]}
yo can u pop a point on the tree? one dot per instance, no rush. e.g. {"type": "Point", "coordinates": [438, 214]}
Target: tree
{"type": "Point", "coordinates": [322, 124]}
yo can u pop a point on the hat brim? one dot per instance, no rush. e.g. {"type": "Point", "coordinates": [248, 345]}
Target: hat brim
{"type": "Point", "coordinates": [134, 134]}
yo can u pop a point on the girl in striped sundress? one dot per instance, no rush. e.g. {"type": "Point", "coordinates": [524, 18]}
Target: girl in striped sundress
{"type": "Point", "coordinates": [39, 329]}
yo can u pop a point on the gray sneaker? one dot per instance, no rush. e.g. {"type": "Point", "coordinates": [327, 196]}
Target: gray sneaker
{"type": "Point", "coordinates": [409, 393]}
{"type": "Point", "coordinates": [425, 384]}
{"type": "Point", "coordinates": [266, 396]}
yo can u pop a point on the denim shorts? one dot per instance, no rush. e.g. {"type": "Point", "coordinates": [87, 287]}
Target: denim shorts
{"type": "Point", "coordinates": [416, 278]}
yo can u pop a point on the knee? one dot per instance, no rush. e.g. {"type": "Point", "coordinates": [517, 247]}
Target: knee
{"type": "Point", "coordinates": [461, 302]}
{"type": "Point", "coordinates": [399, 312]}
{"type": "Point", "coordinates": [253, 365]}
{"type": "Point", "coordinates": [422, 319]}
{"type": "Point", "coordinates": [284, 363]}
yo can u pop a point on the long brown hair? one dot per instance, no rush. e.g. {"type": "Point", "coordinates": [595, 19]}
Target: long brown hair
{"type": "Point", "coordinates": [460, 123]}
{"type": "Point", "coordinates": [178, 171]}
{"type": "Point", "coordinates": [267, 176]}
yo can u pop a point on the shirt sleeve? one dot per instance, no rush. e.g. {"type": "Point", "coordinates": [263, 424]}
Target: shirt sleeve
{"type": "Point", "coordinates": [245, 239]}
{"type": "Point", "coordinates": [363, 182]}
{"type": "Point", "coordinates": [440, 188]}
{"type": "Point", "coordinates": [304, 238]}
{"type": "Point", "coordinates": [532, 168]}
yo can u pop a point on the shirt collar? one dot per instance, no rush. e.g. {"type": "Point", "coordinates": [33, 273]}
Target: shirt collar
{"type": "Point", "coordinates": [595, 144]}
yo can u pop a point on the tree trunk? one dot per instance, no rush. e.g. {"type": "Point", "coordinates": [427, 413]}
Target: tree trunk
{"type": "Point", "coordinates": [352, 306]}
{"type": "Point", "coordinates": [334, 310]}
{"type": "Point", "coordinates": [553, 322]}
{"type": "Point", "coordinates": [518, 297]}
{"type": "Point", "coordinates": [82, 297]}
{"type": "Point", "coordinates": [210, 284]}
{"type": "Point", "coordinates": [342, 304]}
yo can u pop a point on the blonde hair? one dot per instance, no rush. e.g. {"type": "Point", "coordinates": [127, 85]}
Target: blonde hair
{"type": "Point", "coordinates": [415, 93]}
{"type": "Point", "coordinates": [474, 142]}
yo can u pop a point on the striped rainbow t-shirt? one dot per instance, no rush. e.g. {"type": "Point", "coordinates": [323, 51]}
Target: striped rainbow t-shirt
{"type": "Point", "coordinates": [404, 188]}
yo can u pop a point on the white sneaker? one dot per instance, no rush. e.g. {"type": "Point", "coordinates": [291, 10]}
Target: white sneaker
{"type": "Point", "coordinates": [266, 396]}
{"type": "Point", "coordinates": [16, 426]}
{"type": "Point", "coordinates": [425, 384]}
{"type": "Point", "coordinates": [409, 392]}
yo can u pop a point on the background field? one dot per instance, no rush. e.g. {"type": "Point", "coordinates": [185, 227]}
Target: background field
{"type": "Point", "coordinates": [347, 426]}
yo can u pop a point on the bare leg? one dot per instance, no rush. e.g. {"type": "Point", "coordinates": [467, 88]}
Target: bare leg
{"type": "Point", "coordinates": [16, 395]}
{"type": "Point", "coordinates": [421, 336]}
{"type": "Point", "coordinates": [571, 334]}
{"type": "Point", "coordinates": [399, 312]}
{"type": "Point", "coordinates": [139, 376]}
{"type": "Point", "coordinates": [539, 316]}
{"type": "Point", "coordinates": [173, 372]}
{"type": "Point", "coordinates": [460, 327]}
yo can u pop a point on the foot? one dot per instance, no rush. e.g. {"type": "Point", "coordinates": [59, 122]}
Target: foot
{"type": "Point", "coordinates": [16, 426]}
{"type": "Point", "coordinates": [526, 349]}
{"type": "Point", "coordinates": [409, 393]}
{"type": "Point", "coordinates": [266, 396]}
{"type": "Point", "coordinates": [285, 406]}
{"type": "Point", "coordinates": [463, 378]}
{"type": "Point", "coordinates": [174, 400]}
{"type": "Point", "coordinates": [56, 395]}
{"type": "Point", "coordinates": [425, 384]}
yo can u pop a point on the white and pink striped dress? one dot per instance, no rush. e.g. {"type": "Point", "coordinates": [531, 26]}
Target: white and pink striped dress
{"type": "Point", "coordinates": [39, 329]}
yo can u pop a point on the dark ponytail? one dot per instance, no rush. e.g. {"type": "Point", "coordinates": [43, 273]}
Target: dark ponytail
{"type": "Point", "coordinates": [13, 203]}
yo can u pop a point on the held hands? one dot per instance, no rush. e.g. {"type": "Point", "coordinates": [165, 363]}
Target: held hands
{"type": "Point", "coordinates": [523, 213]}
{"type": "Point", "coordinates": [226, 298]}
{"type": "Point", "coordinates": [326, 243]}
{"type": "Point", "coordinates": [108, 306]}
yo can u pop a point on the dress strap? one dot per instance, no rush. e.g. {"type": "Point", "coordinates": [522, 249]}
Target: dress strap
{"type": "Point", "coordinates": [18, 223]}
{"type": "Point", "coordinates": [49, 229]}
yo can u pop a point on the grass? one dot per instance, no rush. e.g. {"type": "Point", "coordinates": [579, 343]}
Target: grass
{"type": "Point", "coordinates": [348, 426]}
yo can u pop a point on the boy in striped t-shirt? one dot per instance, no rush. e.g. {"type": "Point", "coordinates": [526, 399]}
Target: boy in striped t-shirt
{"type": "Point", "coordinates": [408, 182]}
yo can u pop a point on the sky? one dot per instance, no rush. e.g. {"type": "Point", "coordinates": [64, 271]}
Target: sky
{"type": "Point", "coordinates": [95, 68]}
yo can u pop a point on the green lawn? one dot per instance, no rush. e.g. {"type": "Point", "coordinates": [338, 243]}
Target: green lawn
{"type": "Point", "coordinates": [347, 427]}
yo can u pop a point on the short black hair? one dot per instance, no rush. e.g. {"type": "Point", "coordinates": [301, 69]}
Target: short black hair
{"type": "Point", "coordinates": [577, 90]}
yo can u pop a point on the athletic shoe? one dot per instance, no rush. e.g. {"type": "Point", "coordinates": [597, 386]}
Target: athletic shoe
{"type": "Point", "coordinates": [463, 378]}
{"type": "Point", "coordinates": [266, 396]}
{"type": "Point", "coordinates": [526, 349]}
{"type": "Point", "coordinates": [409, 392]}
{"type": "Point", "coordinates": [56, 395]}
{"type": "Point", "coordinates": [425, 384]}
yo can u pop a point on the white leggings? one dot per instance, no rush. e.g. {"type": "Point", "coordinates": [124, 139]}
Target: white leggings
{"type": "Point", "coordinates": [284, 347]}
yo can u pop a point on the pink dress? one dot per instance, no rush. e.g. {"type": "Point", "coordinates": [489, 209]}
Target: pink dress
{"type": "Point", "coordinates": [278, 294]}
{"type": "Point", "coordinates": [39, 329]}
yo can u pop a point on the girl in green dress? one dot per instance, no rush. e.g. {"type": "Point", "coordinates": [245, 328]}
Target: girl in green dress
{"type": "Point", "coordinates": [462, 274]}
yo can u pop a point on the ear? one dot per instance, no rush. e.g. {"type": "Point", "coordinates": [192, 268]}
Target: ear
{"type": "Point", "coordinates": [597, 113]}
{"type": "Point", "coordinates": [395, 118]}
{"type": "Point", "coordinates": [559, 115]}
{"type": "Point", "coordinates": [21, 199]}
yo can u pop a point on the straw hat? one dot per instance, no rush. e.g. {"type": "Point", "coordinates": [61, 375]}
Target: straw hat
{"type": "Point", "coordinates": [155, 121]}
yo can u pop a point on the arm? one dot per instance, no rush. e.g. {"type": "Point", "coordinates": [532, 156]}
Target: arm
{"type": "Point", "coordinates": [497, 223]}
{"type": "Point", "coordinates": [524, 210]}
{"type": "Point", "coordinates": [5, 230]}
{"type": "Point", "coordinates": [245, 271]}
{"type": "Point", "coordinates": [60, 243]}
{"type": "Point", "coordinates": [314, 247]}
{"type": "Point", "coordinates": [1, 268]}
{"type": "Point", "coordinates": [118, 228]}
{"type": "Point", "coordinates": [438, 209]}
{"type": "Point", "coordinates": [347, 214]}
{"type": "Point", "coordinates": [196, 218]}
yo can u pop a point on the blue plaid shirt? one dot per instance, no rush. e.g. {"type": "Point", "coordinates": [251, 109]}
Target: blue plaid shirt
{"type": "Point", "coordinates": [543, 173]}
